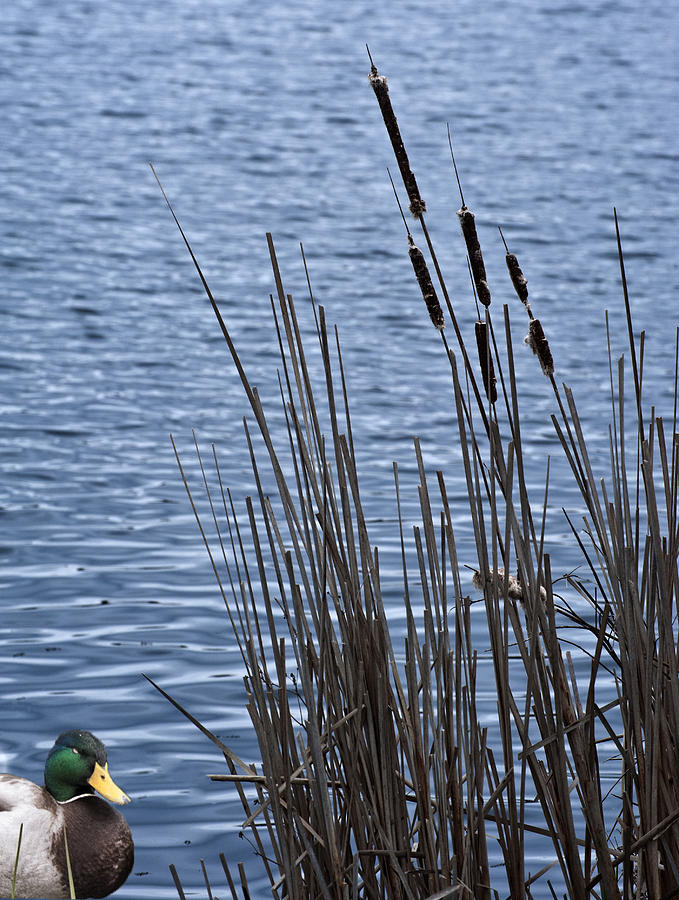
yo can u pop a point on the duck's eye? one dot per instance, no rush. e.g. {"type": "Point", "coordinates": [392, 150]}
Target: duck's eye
{"type": "Point", "coordinates": [75, 750]}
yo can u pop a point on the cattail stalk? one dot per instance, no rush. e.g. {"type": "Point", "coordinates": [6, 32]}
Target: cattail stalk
{"type": "Point", "coordinates": [421, 271]}
{"type": "Point", "coordinates": [539, 344]}
{"type": "Point", "coordinates": [486, 360]}
{"type": "Point", "coordinates": [468, 225]}
{"type": "Point", "coordinates": [535, 338]}
{"type": "Point", "coordinates": [471, 239]}
{"type": "Point", "coordinates": [379, 85]}
{"type": "Point", "coordinates": [518, 278]}
{"type": "Point", "coordinates": [426, 285]}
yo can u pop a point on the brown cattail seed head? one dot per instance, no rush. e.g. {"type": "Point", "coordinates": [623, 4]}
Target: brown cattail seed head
{"type": "Point", "coordinates": [539, 344]}
{"type": "Point", "coordinates": [471, 239]}
{"type": "Point", "coordinates": [426, 286]}
{"type": "Point", "coordinates": [517, 276]}
{"type": "Point", "coordinates": [379, 85]}
{"type": "Point", "coordinates": [486, 360]}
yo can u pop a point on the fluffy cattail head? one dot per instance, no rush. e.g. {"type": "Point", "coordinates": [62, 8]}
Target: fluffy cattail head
{"type": "Point", "coordinates": [515, 590]}
{"type": "Point", "coordinates": [539, 344]}
{"type": "Point", "coordinates": [518, 278]}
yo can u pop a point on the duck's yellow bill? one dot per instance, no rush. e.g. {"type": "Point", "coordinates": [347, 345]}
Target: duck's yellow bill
{"type": "Point", "coordinates": [103, 784]}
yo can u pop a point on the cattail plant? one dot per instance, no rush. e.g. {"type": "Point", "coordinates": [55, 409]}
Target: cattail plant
{"type": "Point", "coordinates": [518, 278]}
{"type": "Point", "coordinates": [418, 208]}
{"type": "Point", "coordinates": [539, 344]}
{"type": "Point", "coordinates": [535, 338]}
{"type": "Point", "coordinates": [378, 780]}
{"type": "Point", "coordinates": [426, 285]}
{"type": "Point", "coordinates": [486, 360]}
{"type": "Point", "coordinates": [480, 288]}
{"type": "Point", "coordinates": [421, 270]}
{"type": "Point", "coordinates": [483, 333]}
{"type": "Point", "coordinates": [379, 85]}
{"type": "Point", "coordinates": [471, 239]}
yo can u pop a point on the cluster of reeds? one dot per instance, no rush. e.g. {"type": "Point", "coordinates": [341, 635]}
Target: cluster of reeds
{"type": "Point", "coordinates": [377, 778]}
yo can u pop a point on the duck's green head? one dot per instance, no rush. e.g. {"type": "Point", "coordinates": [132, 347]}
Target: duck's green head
{"type": "Point", "coordinates": [77, 765]}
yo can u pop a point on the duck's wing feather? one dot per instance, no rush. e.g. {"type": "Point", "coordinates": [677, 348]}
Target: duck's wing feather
{"type": "Point", "coordinates": [23, 803]}
{"type": "Point", "coordinates": [16, 792]}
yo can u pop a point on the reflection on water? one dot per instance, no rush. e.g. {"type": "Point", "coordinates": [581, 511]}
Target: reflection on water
{"type": "Point", "coordinates": [267, 123]}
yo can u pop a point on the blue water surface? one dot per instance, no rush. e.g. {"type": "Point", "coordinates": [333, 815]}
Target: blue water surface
{"type": "Point", "coordinates": [259, 117]}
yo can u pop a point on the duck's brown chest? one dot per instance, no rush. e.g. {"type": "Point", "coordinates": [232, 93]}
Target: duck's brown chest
{"type": "Point", "coordinates": [100, 846]}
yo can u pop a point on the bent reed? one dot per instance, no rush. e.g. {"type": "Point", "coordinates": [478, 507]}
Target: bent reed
{"type": "Point", "coordinates": [377, 777]}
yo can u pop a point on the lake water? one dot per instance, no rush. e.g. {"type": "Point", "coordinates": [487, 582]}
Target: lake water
{"type": "Point", "coordinates": [259, 117]}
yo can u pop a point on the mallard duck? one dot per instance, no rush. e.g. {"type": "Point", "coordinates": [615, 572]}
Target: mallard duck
{"type": "Point", "coordinates": [99, 840]}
